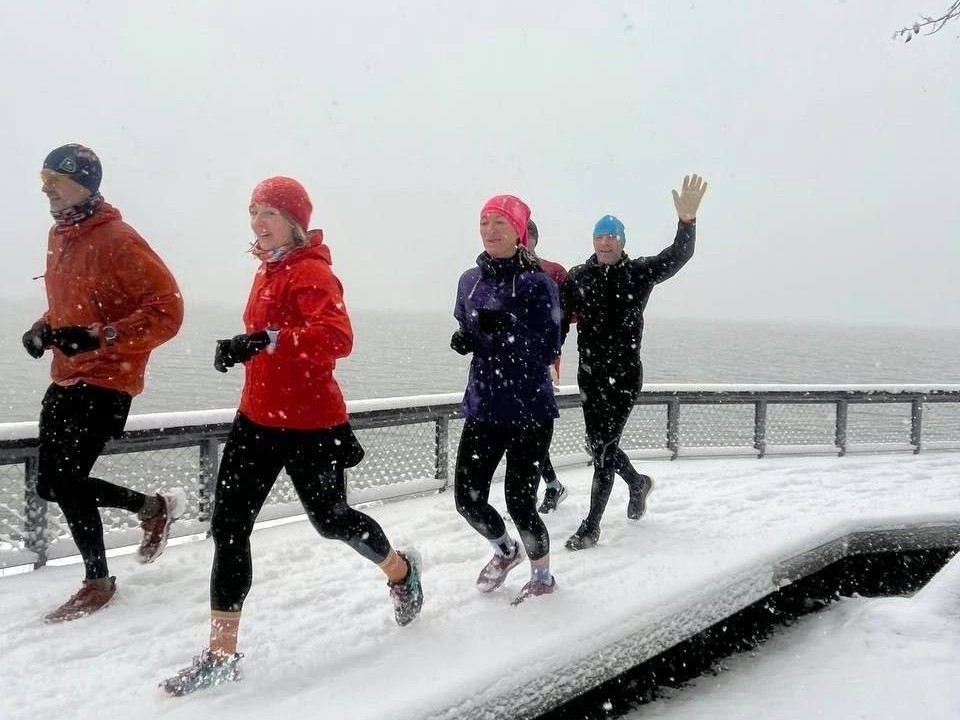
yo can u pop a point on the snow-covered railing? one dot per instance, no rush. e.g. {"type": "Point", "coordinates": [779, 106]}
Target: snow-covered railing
{"type": "Point", "coordinates": [411, 444]}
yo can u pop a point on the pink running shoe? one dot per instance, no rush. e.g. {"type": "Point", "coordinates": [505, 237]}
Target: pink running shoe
{"type": "Point", "coordinates": [495, 571]}
{"type": "Point", "coordinates": [156, 530]}
{"type": "Point", "coordinates": [534, 588]}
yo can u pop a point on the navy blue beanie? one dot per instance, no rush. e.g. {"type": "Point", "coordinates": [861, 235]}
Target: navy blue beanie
{"type": "Point", "coordinates": [77, 162]}
{"type": "Point", "coordinates": [610, 225]}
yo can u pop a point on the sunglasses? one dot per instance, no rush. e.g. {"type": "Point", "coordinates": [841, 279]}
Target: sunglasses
{"type": "Point", "coordinates": [49, 177]}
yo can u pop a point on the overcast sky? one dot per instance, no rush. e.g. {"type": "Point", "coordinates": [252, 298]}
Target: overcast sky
{"type": "Point", "coordinates": [830, 149]}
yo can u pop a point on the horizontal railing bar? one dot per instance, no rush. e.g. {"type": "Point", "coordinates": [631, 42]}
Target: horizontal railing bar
{"type": "Point", "coordinates": [423, 411]}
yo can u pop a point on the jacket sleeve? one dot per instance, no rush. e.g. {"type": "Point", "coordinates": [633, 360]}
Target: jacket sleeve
{"type": "Point", "coordinates": [158, 305]}
{"type": "Point", "coordinates": [539, 325]}
{"type": "Point", "coordinates": [325, 333]}
{"type": "Point", "coordinates": [459, 307]}
{"type": "Point", "coordinates": [666, 264]}
{"type": "Point", "coordinates": [460, 310]}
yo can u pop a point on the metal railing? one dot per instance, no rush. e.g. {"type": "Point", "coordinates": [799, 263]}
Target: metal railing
{"type": "Point", "coordinates": [409, 441]}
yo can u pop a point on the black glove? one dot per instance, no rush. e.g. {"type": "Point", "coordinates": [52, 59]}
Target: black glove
{"type": "Point", "coordinates": [492, 321]}
{"type": "Point", "coordinates": [239, 349]}
{"type": "Point", "coordinates": [74, 339]}
{"type": "Point", "coordinates": [37, 339]}
{"type": "Point", "coordinates": [222, 359]}
{"type": "Point", "coordinates": [461, 342]}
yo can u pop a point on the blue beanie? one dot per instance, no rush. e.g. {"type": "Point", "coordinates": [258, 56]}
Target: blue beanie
{"type": "Point", "coordinates": [609, 225]}
{"type": "Point", "coordinates": [79, 163]}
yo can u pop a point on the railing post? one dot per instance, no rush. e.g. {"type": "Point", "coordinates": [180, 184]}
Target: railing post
{"type": "Point", "coordinates": [916, 424]}
{"type": "Point", "coordinates": [442, 438]}
{"type": "Point", "coordinates": [673, 427]}
{"type": "Point", "coordinates": [841, 432]}
{"type": "Point", "coordinates": [760, 427]}
{"type": "Point", "coordinates": [207, 482]}
{"type": "Point", "coordinates": [35, 514]}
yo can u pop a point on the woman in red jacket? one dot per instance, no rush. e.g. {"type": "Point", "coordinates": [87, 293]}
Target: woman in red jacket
{"type": "Point", "coordinates": [291, 416]}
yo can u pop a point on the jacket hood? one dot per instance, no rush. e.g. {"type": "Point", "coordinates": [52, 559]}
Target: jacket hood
{"type": "Point", "coordinates": [316, 248]}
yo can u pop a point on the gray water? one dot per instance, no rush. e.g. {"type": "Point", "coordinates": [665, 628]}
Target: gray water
{"type": "Point", "coordinates": [404, 353]}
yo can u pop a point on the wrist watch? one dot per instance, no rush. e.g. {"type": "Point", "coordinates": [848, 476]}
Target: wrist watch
{"type": "Point", "coordinates": [109, 334]}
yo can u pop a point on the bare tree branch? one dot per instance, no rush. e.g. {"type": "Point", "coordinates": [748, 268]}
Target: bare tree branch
{"type": "Point", "coordinates": [929, 25]}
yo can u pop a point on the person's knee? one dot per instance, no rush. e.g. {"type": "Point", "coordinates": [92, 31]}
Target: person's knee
{"type": "Point", "coordinates": [229, 536]}
{"type": "Point", "coordinates": [59, 488]}
{"type": "Point", "coordinates": [52, 482]}
{"type": "Point", "coordinates": [521, 506]}
{"type": "Point", "coordinates": [45, 488]}
{"type": "Point", "coordinates": [466, 499]}
{"type": "Point", "coordinates": [332, 521]}
{"type": "Point", "coordinates": [603, 477]}
{"type": "Point", "coordinates": [521, 499]}
{"type": "Point", "coordinates": [466, 506]}
{"type": "Point", "coordinates": [604, 454]}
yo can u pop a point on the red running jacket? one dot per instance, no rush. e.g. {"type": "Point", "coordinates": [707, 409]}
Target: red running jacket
{"type": "Point", "coordinates": [291, 385]}
{"type": "Point", "coordinates": [101, 272]}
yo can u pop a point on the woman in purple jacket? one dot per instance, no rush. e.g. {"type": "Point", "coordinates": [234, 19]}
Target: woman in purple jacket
{"type": "Point", "coordinates": [509, 315]}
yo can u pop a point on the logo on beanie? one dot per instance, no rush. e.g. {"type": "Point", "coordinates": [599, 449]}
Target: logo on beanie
{"type": "Point", "coordinates": [67, 165]}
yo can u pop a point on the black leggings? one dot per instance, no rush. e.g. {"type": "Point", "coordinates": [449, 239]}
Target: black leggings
{"type": "Point", "coordinates": [608, 399]}
{"type": "Point", "coordinates": [547, 470]}
{"type": "Point", "coordinates": [75, 423]}
{"type": "Point", "coordinates": [482, 445]}
{"type": "Point", "coordinates": [252, 460]}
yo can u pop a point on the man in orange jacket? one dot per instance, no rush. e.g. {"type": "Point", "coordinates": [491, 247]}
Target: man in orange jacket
{"type": "Point", "coordinates": [110, 302]}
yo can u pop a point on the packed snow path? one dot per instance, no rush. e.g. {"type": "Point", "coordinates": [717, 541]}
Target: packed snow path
{"type": "Point", "coordinates": [318, 631]}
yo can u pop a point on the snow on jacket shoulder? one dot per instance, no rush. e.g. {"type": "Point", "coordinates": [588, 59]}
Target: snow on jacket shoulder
{"type": "Point", "coordinates": [291, 385]}
{"type": "Point", "coordinates": [509, 381]}
{"type": "Point", "coordinates": [101, 272]}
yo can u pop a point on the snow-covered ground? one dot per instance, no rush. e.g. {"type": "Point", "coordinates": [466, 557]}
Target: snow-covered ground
{"type": "Point", "coordinates": [320, 641]}
{"type": "Point", "coordinates": [877, 658]}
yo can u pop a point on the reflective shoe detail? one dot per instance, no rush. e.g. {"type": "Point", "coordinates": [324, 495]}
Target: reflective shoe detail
{"type": "Point", "coordinates": [206, 671]}
{"type": "Point", "coordinates": [552, 499]}
{"type": "Point", "coordinates": [88, 599]}
{"type": "Point", "coordinates": [534, 588]}
{"type": "Point", "coordinates": [495, 571]}
{"type": "Point", "coordinates": [156, 530]}
{"type": "Point", "coordinates": [639, 490]}
{"type": "Point", "coordinates": [585, 537]}
{"type": "Point", "coordinates": [407, 595]}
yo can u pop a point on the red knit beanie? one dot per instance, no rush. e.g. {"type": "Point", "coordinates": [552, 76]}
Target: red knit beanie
{"type": "Point", "coordinates": [286, 195]}
{"type": "Point", "coordinates": [513, 209]}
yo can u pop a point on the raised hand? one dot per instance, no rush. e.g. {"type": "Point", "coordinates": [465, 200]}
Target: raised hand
{"type": "Point", "coordinates": [688, 199]}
